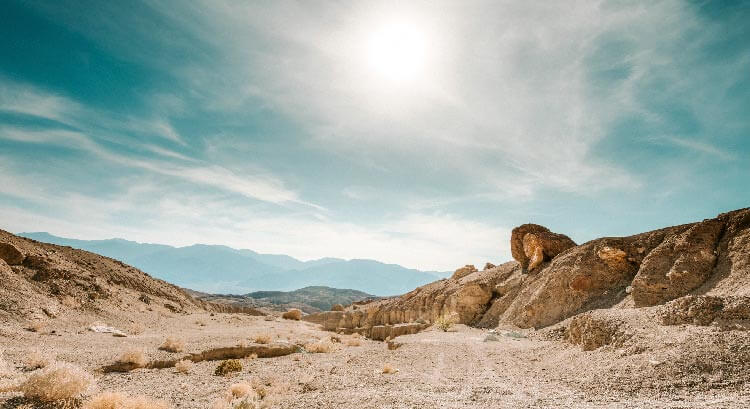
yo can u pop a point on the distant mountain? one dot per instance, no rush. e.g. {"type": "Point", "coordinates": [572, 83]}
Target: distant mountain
{"type": "Point", "coordinates": [222, 269]}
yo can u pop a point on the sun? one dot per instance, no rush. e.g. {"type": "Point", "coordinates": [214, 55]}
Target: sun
{"type": "Point", "coordinates": [397, 51]}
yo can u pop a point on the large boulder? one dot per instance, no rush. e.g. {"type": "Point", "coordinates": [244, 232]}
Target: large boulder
{"type": "Point", "coordinates": [11, 254]}
{"type": "Point", "coordinates": [463, 272]}
{"type": "Point", "coordinates": [532, 244]}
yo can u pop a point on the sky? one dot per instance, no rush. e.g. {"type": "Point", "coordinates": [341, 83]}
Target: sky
{"type": "Point", "coordinates": [417, 133]}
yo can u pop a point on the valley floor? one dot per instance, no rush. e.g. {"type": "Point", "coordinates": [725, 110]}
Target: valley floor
{"type": "Point", "coordinates": [456, 369]}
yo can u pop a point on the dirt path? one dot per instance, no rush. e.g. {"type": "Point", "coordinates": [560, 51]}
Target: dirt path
{"type": "Point", "coordinates": [436, 370]}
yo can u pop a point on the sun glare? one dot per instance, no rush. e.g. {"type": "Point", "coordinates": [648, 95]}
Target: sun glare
{"type": "Point", "coordinates": [397, 51]}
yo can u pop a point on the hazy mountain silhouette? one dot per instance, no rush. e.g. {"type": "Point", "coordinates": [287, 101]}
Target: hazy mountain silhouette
{"type": "Point", "coordinates": [222, 269]}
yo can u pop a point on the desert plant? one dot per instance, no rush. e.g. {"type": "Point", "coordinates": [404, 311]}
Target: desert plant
{"type": "Point", "coordinates": [35, 360]}
{"type": "Point", "coordinates": [292, 314]}
{"type": "Point", "coordinates": [388, 369]}
{"type": "Point", "coordinates": [445, 322]}
{"type": "Point", "coordinates": [36, 326]}
{"type": "Point", "coordinates": [133, 356]}
{"type": "Point", "coordinates": [116, 400]}
{"type": "Point", "coordinates": [228, 366]}
{"type": "Point", "coordinates": [354, 341]}
{"type": "Point", "coordinates": [320, 347]}
{"type": "Point", "coordinates": [240, 390]}
{"type": "Point", "coordinates": [183, 366]}
{"type": "Point", "coordinates": [137, 329]}
{"type": "Point", "coordinates": [262, 339]}
{"type": "Point", "coordinates": [172, 345]}
{"type": "Point", "coordinates": [61, 381]}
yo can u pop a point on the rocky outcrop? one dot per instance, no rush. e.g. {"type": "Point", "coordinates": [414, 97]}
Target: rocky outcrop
{"type": "Point", "coordinates": [708, 259]}
{"type": "Point", "coordinates": [463, 272]}
{"type": "Point", "coordinates": [11, 254]}
{"type": "Point", "coordinates": [532, 244]}
{"type": "Point", "coordinates": [679, 264]}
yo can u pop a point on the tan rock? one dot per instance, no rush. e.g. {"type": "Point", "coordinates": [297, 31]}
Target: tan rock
{"type": "Point", "coordinates": [532, 244]}
{"type": "Point", "coordinates": [337, 307]}
{"type": "Point", "coordinates": [11, 254]}
{"type": "Point", "coordinates": [463, 271]}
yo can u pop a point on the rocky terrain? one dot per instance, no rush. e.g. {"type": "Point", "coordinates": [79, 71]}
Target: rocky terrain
{"type": "Point", "coordinates": [658, 319]}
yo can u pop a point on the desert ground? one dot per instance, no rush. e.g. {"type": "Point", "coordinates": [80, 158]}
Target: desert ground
{"type": "Point", "coordinates": [462, 368]}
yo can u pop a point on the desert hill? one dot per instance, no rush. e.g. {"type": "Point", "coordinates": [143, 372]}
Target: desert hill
{"type": "Point", "coordinates": [41, 280]}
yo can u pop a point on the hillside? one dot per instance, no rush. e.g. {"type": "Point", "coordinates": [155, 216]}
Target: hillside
{"type": "Point", "coordinates": [319, 297]}
{"type": "Point", "coordinates": [41, 280]}
{"type": "Point", "coordinates": [220, 269]}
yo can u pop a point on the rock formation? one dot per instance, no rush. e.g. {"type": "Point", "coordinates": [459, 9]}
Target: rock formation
{"type": "Point", "coordinates": [532, 244]}
{"type": "Point", "coordinates": [709, 258]}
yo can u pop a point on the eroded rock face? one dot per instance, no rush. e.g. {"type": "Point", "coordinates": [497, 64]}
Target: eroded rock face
{"type": "Point", "coordinates": [709, 258]}
{"type": "Point", "coordinates": [532, 244]}
{"type": "Point", "coordinates": [678, 265]}
{"type": "Point", "coordinates": [463, 272]}
{"type": "Point", "coordinates": [11, 254]}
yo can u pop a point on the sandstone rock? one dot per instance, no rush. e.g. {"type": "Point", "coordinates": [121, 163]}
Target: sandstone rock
{"type": "Point", "coordinates": [11, 254]}
{"type": "Point", "coordinates": [463, 272]}
{"type": "Point", "coordinates": [532, 244]}
{"type": "Point", "coordinates": [678, 265]}
{"type": "Point", "coordinates": [337, 307]}
{"type": "Point", "coordinates": [489, 265]}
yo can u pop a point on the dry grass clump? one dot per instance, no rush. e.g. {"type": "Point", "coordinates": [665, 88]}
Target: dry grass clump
{"type": "Point", "coordinates": [445, 322]}
{"type": "Point", "coordinates": [58, 382]}
{"type": "Point", "coordinates": [262, 339]}
{"type": "Point", "coordinates": [388, 369]}
{"type": "Point", "coordinates": [354, 341]}
{"type": "Point", "coordinates": [172, 345]}
{"type": "Point", "coordinates": [292, 314]}
{"type": "Point", "coordinates": [133, 356]}
{"type": "Point", "coordinates": [137, 329]}
{"type": "Point", "coordinates": [36, 326]}
{"type": "Point", "coordinates": [240, 390]}
{"type": "Point", "coordinates": [35, 360]}
{"type": "Point", "coordinates": [183, 366]}
{"type": "Point", "coordinates": [228, 366]}
{"type": "Point", "coordinates": [320, 347]}
{"type": "Point", "coordinates": [6, 370]}
{"type": "Point", "coordinates": [116, 400]}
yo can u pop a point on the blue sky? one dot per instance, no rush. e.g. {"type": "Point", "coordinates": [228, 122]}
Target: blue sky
{"type": "Point", "coordinates": [279, 126]}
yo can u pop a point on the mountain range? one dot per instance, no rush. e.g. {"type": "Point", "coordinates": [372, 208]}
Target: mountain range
{"type": "Point", "coordinates": [222, 269]}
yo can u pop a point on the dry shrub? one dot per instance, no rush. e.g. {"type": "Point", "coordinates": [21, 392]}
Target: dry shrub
{"type": "Point", "coordinates": [183, 366]}
{"type": "Point", "coordinates": [292, 314]}
{"type": "Point", "coordinates": [36, 326]}
{"type": "Point", "coordinates": [115, 400]}
{"type": "Point", "coordinates": [240, 390]}
{"type": "Point", "coordinates": [172, 345]}
{"type": "Point", "coordinates": [353, 342]}
{"type": "Point", "coordinates": [228, 366]}
{"type": "Point", "coordinates": [262, 339]}
{"type": "Point", "coordinates": [320, 347]}
{"type": "Point", "coordinates": [61, 381]}
{"type": "Point", "coordinates": [35, 360]}
{"type": "Point", "coordinates": [388, 369]}
{"type": "Point", "coordinates": [133, 356]}
{"type": "Point", "coordinates": [445, 322]}
{"type": "Point", "coordinates": [393, 345]}
{"type": "Point", "coordinates": [137, 329]}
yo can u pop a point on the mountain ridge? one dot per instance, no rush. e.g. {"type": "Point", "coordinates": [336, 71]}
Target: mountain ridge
{"type": "Point", "coordinates": [221, 269]}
